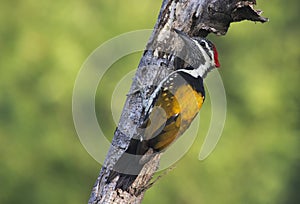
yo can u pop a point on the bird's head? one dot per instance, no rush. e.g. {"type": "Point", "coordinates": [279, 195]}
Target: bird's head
{"type": "Point", "coordinates": [202, 54]}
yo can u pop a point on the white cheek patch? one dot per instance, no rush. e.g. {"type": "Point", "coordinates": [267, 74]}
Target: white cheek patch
{"type": "Point", "coordinates": [202, 70]}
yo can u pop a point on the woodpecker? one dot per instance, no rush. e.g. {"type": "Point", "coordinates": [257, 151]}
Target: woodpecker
{"type": "Point", "coordinates": [170, 109]}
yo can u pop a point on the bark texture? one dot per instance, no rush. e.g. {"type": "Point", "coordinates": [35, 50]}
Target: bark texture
{"type": "Point", "coordinates": [194, 17]}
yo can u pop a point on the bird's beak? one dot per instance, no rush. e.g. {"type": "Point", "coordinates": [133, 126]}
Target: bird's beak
{"type": "Point", "coordinates": [183, 36]}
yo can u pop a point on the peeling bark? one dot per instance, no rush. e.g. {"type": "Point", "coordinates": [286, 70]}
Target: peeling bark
{"type": "Point", "coordinates": [194, 17]}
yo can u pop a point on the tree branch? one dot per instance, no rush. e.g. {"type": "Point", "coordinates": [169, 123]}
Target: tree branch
{"type": "Point", "coordinates": [194, 17]}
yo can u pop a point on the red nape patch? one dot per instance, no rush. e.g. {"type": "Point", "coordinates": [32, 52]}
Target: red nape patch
{"type": "Point", "coordinates": [216, 58]}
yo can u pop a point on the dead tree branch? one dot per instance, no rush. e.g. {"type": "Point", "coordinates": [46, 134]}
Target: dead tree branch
{"type": "Point", "coordinates": [194, 17]}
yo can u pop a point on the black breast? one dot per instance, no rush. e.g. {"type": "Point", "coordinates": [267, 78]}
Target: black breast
{"type": "Point", "coordinates": [196, 83]}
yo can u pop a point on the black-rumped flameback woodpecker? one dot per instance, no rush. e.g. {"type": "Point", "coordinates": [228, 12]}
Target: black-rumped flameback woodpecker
{"type": "Point", "coordinates": [170, 109]}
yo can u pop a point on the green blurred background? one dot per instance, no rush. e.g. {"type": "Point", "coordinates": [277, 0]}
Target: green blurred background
{"type": "Point", "coordinates": [42, 47]}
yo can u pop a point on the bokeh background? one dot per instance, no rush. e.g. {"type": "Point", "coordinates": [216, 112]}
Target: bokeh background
{"type": "Point", "coordinates": [42, 47]}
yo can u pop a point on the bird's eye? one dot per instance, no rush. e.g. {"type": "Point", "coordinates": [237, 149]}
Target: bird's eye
{"type": "Point", "coordinates": [202, 43]}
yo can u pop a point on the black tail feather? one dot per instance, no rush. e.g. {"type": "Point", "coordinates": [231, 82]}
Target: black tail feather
{"type": "Point", "coordinates": [129, 164]}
